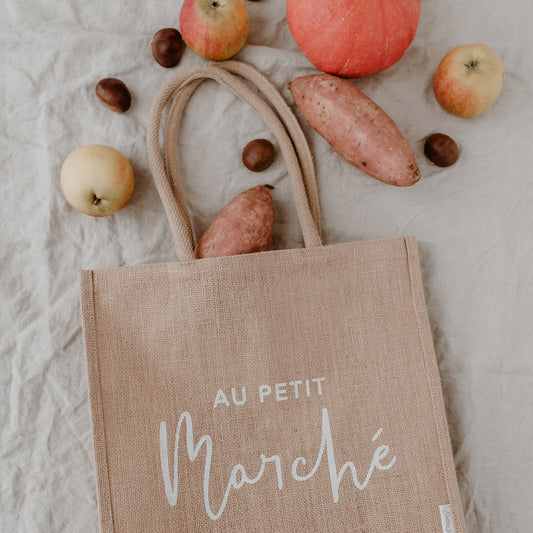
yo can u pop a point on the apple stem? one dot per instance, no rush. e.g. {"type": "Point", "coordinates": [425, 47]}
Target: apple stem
{"type": "Point", "coordinates": [96, 200]}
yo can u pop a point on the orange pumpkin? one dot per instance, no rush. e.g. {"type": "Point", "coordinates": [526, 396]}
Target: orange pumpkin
{"type": "Point", "coordinates": [353, 38]}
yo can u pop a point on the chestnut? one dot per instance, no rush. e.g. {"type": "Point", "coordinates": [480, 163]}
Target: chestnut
{"type": "Point", "coordinates": [167, 47]}
{"type": "Point", "coordinates": [441, 149]}
{"type": "Point", "coordinates": [258, 155]}
{"type": "Point", "coordinates": [113, 94]}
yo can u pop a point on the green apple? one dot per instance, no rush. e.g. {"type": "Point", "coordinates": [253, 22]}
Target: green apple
{"type": "Point", "coordinates": [97, 180]}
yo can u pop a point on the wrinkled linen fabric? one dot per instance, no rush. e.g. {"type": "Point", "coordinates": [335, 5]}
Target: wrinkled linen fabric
{"type": "Point", "coordinates": [473, 222]}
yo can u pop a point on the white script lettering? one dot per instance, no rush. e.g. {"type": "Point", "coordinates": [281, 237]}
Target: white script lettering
{"type": "Point", "coordinates": [336, 476]}
{"type": "Point", "coordinates": [238, 476]}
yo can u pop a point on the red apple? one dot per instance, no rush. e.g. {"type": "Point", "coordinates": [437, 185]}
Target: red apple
{"type": "Point", "coordinates": [214, 29]}
{"type": "Point", "coordinates": [97, 180]}
{"type": "Point", "coordinates": [468, 80]}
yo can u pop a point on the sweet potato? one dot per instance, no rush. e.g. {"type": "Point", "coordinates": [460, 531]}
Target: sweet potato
{"type": "Point", "coordinates": [243, 226]}
{"type": "Point", "coordinates": [356, 128]}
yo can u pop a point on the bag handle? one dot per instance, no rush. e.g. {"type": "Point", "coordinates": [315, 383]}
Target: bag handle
{"type": "Point", "coordinates": [285, 128]}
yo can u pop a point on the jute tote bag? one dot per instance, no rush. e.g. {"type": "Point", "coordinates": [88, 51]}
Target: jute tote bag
{"type": "Point", "coordinates": [283, 391]}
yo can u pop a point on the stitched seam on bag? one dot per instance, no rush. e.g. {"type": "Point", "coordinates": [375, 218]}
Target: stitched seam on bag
{"type": "Point", "coordinates": [225, 264]}
{"type": "Point", "coordinates": [408, 243]}
{"type": "Point", "coordinates": [378, 265]}
{"type": "Point", "coordinates": [101, 406]}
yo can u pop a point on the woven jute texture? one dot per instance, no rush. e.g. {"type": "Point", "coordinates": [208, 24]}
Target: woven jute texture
{"type": "Point", "coordinates": [284, 391]}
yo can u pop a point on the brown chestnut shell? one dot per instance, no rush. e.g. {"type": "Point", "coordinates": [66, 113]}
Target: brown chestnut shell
{"type": "Point", "coordinates": [441, 149]}
{"type": "Point", "coordinates": [258, 155]}
{"type": "Point", "coordinates": [113, 94]}
{"type": "Point", "coordinates": [167, 47]}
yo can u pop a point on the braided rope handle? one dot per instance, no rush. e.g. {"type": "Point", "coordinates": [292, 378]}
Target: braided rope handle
{"type": "Point", "coordinates": [279, 118]}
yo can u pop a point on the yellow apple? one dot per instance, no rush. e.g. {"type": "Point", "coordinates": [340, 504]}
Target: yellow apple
{"type": "Point", "coordinates": [97, 180]}
{"type": "Point", "coordinates": [214, 29]}
{"type": "Point", "coordinates": [468, 80]}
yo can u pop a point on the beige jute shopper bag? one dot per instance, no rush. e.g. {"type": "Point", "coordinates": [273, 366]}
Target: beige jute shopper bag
{"type": "Point", "coordinates": [283, 391]}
